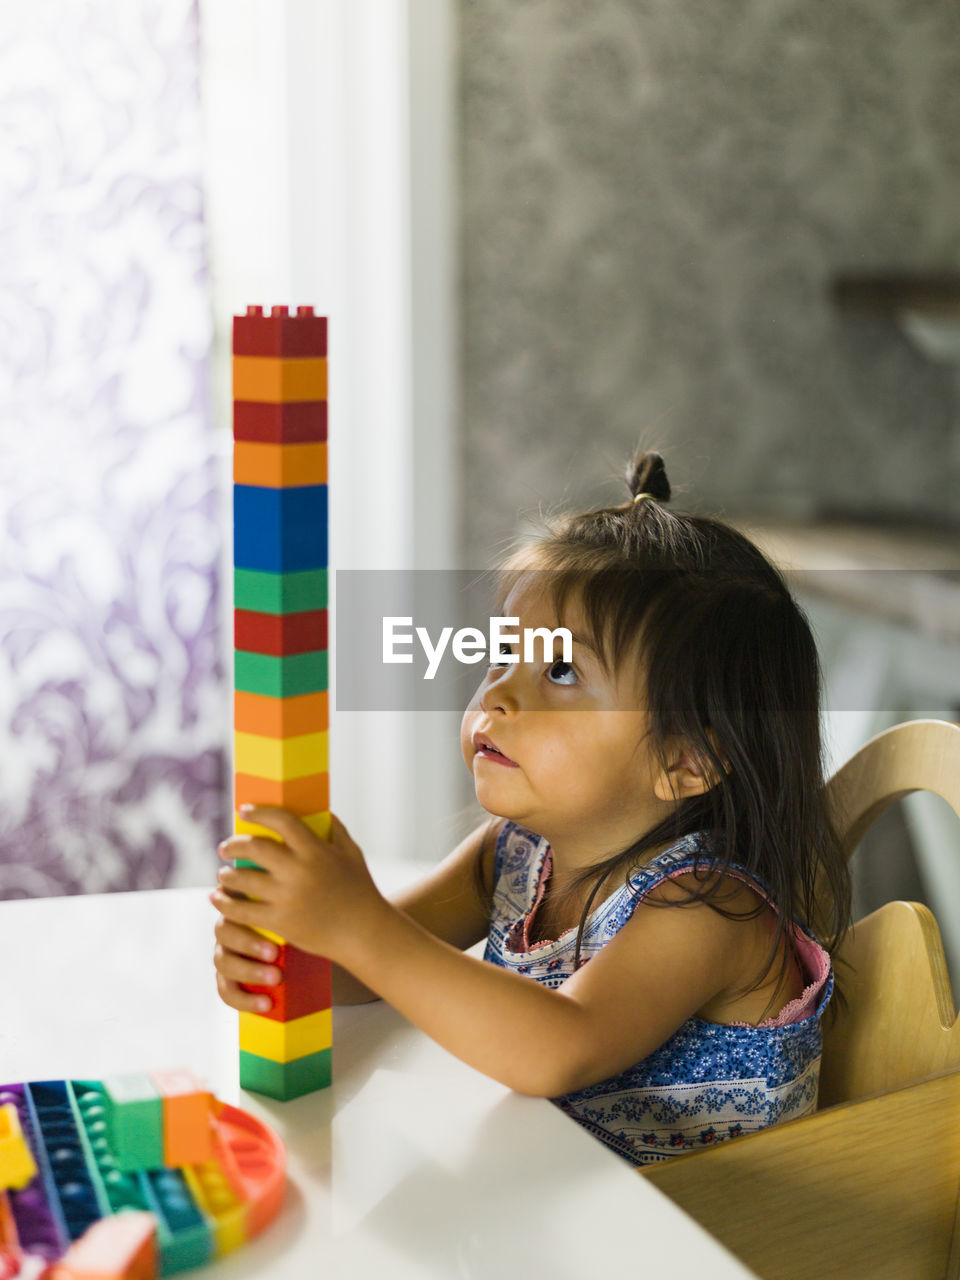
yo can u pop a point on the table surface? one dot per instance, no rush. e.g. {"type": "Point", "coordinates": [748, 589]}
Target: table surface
{"type": "Point", "coordinates": [411, 1165]}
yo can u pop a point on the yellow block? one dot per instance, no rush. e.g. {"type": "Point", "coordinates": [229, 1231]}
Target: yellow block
{"type": "Point", "coordinates": [211, 1190]}
{"type": "Point", "coordinates": [319, 823]}
{"type": "Point", "coordinates": [281, 758]}
{"type": "Point", "coordinates": [17, 1166]}
{"type": "Point", "coordinates": [275, 379]}
{"type": "Point", "coordinates": [284, 1041]}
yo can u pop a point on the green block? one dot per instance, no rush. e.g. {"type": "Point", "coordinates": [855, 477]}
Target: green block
{"type": "Point", "coordinates": [134, 1119]}
{"type": "Point", "coordinates": [279, 592]}
{"type": "Point", "coordinates": [184, 1237]}
{"type": "Point", "coordinates": [186, 1249]}
{"type": "Point", "coordinates": [280, 677]}
{"type": "Point", "coordinates": [285, 1080]}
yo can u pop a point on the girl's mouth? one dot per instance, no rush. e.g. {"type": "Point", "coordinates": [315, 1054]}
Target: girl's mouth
{"type": "Point", "coordinates": [485, 750]}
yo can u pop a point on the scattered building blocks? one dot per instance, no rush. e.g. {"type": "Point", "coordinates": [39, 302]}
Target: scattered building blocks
{"type": "Point", "coordinates": [120, 1247]}
{"type": "Point", "coordinates": [134, 1120]}
{"type": "Point", "coordinates": [212, 1192]}
{"type": "Point", "coordinates": [281, 635]}
{"type": "Point", "coordinates": [83, 1218]}
{"type": "Point", "coordinates": [190, 1240]}
{"type": "Point", "coordinates": [187, 1133]}
{"type": "Point", "coordinates": [17, 1165]}
{"type": "Point", "coordinates": [8, 1232]}
{"type": "Point", "coordinates": [38, 1226]}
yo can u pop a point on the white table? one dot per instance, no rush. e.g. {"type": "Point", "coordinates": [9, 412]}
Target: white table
{"type": "Point", "coordinates": [411, 1165]}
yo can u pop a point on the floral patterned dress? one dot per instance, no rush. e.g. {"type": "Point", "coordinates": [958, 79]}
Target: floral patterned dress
{"type": "Point", "coordinates": [708, 1082]}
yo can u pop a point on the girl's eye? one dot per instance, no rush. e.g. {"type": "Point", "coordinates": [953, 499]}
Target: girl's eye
{"type": "Point", "coordinates": [564, 673]}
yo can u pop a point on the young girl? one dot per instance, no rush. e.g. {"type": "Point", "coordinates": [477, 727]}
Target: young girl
{"type": "Point", "coordinates": [660, 845]}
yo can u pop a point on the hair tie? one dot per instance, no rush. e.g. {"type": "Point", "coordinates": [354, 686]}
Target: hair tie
{"type": "Point", "coordinates": [638, 496]}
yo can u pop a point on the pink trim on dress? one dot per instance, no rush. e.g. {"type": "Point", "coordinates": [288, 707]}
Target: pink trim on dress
{"type": "Point", "coordinates": [814, 961]}
{"type": "Point", "coordinates": [814, 964]}
{"type": "Point", "coordinates": [518, 939]}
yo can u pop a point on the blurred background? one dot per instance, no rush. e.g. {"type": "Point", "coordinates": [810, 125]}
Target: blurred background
{"type": "Point", "coordinates": [542, 230]}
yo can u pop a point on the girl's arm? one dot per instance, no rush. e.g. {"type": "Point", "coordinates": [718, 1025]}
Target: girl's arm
{"type": "Point", "coordinates": [658, 970]}
{"type": "Point", "coordinates": [447, 902]}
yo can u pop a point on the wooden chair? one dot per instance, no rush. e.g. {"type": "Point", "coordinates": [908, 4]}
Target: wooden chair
{"type": "Point", "coordinates": [868, 1186]}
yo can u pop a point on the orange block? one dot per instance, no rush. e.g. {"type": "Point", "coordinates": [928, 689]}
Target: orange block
{"type": "Point", "coordinates": [281, 717]}
{"type": "Point", "coordinates": [279, 466]}
{"type": "Point", "coordinates": [301, 796]}
{"type": "Point", "coordinates": [8, 1229]}
{"type": "Point", "coordinates": [187, 1131]}
{"type": "Point", "coordinates": [122, 1246]}
{"type": "Point", "coordinates": [279, 381]}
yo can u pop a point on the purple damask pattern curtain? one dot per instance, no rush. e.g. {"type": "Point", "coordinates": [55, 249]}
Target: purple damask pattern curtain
{"type": "Point", "coordinates": [112, 716]}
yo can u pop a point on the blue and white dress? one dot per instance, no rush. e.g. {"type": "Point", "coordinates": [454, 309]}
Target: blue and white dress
{"type": "Point", "coordinates": [710, 1081]}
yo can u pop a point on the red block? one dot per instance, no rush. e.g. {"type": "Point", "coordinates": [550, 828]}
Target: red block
{"type": "Point", "coordinates": [305, 987]}
{"type": "Point", "coordinates": [295, 422]}
{"type": "Point", "coordinates": [122, 1246]}
{"type": "Point", "coordinates": [281, 635]}
{"type": "Point", "coordinates": [279, 333]}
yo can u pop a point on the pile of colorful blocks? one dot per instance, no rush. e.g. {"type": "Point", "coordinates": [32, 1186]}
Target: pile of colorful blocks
{"type": "Point", "coordinates": [129, 1178]}
{"type": "Point", "coordinates": [280, 620]}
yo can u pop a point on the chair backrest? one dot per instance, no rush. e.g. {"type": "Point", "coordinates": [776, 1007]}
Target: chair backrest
{"type": "Point", "coordinates": [900, 1023]}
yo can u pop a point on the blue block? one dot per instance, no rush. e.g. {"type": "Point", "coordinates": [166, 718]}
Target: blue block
{"type": "Point", "coordinates": [280, 530]}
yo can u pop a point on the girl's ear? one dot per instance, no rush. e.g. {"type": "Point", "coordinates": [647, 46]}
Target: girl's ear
{"type": "Point", "coordinates": [686, 774]}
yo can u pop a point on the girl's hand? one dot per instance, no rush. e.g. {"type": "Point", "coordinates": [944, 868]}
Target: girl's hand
{"type": "Point", "coordinates": [242, 956]}
{"type": "Point", "coordinates": [315, 893]}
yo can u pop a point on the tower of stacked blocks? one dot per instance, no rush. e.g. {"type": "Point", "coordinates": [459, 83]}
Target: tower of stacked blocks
{"type": "Point", "coordinates": [281, 712]}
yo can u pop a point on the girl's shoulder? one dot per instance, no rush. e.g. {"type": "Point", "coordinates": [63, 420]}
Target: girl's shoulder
{"type": "Point", "coordinates": [691, 865]}
{"type": "Point", "coordinates": [692, 854]}
{"type": "Point", "coordinates": [800, 979]}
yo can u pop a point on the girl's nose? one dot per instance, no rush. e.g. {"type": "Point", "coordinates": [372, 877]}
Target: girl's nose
{"type": "Point", "coordinates": [499, 694]}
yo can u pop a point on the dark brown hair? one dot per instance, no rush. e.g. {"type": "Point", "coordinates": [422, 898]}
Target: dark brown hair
{"type": "Point", "coordinates": [726, 662]}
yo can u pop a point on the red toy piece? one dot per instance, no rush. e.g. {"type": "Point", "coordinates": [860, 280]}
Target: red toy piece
{"type": "Point", "coordinates": [120, 1247]}
{"type": "Point", "coordinates": [305, 987]}
{"type": "Point", "coordinates": [280, 334]}
{"type": "Point", "coordinates": [280, 634]}
{"type": "Point", "coordinates": [296, 422]}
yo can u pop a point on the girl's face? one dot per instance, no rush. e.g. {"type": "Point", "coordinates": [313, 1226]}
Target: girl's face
{"type": "Point", "coordinates": [573, 758]}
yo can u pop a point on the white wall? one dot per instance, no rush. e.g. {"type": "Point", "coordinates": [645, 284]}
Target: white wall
{"type": "Point", "coordinates": [330, 163]}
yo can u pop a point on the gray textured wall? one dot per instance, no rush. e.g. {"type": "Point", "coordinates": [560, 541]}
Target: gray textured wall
{"type": "Point", "coordinates": [655, 198]}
